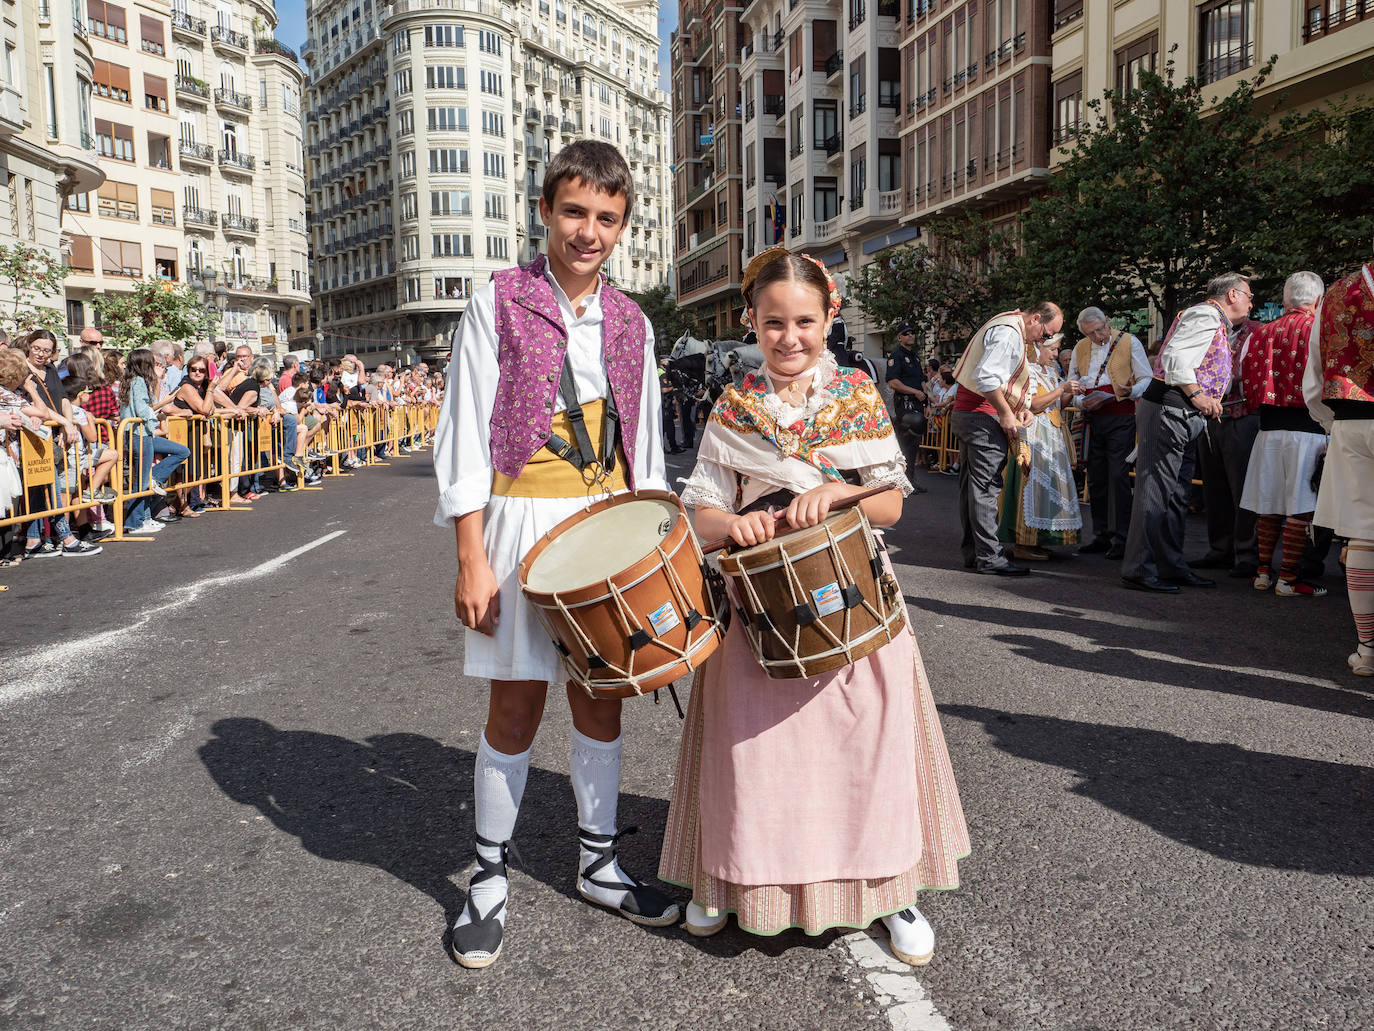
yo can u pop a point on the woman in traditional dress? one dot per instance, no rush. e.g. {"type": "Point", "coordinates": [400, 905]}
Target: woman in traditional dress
{"type": "Point", "coordinates": [1039, 495]}
{"type": "Point", "coordinates": [825, 801]}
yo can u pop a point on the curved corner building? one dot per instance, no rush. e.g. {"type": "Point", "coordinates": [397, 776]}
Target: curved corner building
{"type": "Point", "coordinates": [428, 129]}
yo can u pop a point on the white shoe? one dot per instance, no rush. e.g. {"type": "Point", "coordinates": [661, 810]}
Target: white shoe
{"type": "Point", "coordinates": [913, 940]}
{"type": "Point", "coordinates": [700, 924]}
{"type": "Point", "coordinates": [1361, 665]}
{"type": "Point", "coordinates": [149, 526]}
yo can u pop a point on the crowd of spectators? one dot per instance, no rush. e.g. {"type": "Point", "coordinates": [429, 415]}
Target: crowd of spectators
{"type": "Point", "coordinates": [75, 400]}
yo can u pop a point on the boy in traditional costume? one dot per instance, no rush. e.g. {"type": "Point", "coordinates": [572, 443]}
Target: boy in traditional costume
{"type": "Point", "coordinates": [552, 394]}
{"type": "Point", "coordinates": [826, 801]}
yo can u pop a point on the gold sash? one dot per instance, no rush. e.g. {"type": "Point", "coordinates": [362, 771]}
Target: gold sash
{"type": "Point", "coordinates": [548, 476]}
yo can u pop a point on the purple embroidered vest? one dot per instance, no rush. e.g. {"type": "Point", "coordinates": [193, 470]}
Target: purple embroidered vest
{"type": "Point", "coordinates": [1213, 373]}
{"type": "Point", "coordinates": [531, 340]}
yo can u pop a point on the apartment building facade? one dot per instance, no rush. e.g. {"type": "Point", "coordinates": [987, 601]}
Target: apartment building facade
{"type": "Point", "coordinates": [47, 138]}
{"type": "Point", "coordinates": [429, 127]}
{"type": "Point", "coordinates": [864, 118]}
{"type": "Point", "coordinates": [195, 111]}
{"type": "Point", "coordinates": [708, 180]}
{"type": "Point", "coordinates": [1324, 49]}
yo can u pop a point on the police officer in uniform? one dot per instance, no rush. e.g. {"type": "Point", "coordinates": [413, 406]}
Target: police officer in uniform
{"type": "Point", "coordinates": [907, 382]}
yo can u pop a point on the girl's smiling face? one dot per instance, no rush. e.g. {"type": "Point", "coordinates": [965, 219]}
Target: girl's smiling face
{"type": "Point", "coordinates": [792, 325]}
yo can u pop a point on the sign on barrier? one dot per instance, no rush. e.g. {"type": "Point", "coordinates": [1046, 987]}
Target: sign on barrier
{"type": "Point", "coordinates": [36, 453]}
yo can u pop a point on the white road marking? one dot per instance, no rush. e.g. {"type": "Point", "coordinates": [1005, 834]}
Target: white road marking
{"type": "Point", "coordinates": [51, 667]}
{"type": "Point", "coordinates": [162, 745]}
{"type": "Point", "coordinates": [897, 986]}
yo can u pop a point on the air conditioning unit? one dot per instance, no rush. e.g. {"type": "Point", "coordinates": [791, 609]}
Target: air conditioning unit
{"type": "Point", "coordinates": [692, 242]}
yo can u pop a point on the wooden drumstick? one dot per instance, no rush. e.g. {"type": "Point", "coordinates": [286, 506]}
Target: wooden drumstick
{"type": "Point", "coordinates": [710, 547]}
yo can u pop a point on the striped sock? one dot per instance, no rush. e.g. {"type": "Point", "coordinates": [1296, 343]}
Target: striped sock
{"type": "Point", "coordinates": [1359, 581]}
{"type": "Point", "coordinates": [1294, 544]}
{"type": "Point", "coordinates": [1267, 528]}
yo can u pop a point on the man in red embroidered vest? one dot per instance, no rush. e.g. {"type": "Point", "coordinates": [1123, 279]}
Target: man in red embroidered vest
{"type": "Point", "coordinates": [1112, 368]}
{"type": "Point", "coordinates": [991, 406]}
{"type": "Point", "coordinates": [552, 377]}
{"type": "Point", "coordinates": [1191, 375]}
{"type": "Point", "coordinates": [1339, 389]}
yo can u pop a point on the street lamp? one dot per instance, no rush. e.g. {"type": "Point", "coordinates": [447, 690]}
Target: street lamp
{"type": "Point", "coordinates": [319, 342]}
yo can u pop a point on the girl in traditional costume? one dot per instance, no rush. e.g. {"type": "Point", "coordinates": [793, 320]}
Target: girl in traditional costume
{"type": "Point", "coordinates": [825, 801]}
{"type": "Point", "coordinates": [1040, 499]}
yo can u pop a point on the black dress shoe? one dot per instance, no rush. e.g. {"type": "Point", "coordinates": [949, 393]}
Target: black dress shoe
{"type": "Point", "coordinates": [1096, 546]}
{"type": "Point", "coordinates": [1115, 553]}
{"type": "Point", "coordinates": [1190, 579]}
{"type": "Point", "coordinates": [916, 488]}
{"type": "Point", "coordinates": [1210, 561]}
{"type": "Point", "coordinates": [1244, 571]}
{"type": "Point", "coordinates": [1007, 570]}
{"type": "Point", "coordinates": [1149, 583]}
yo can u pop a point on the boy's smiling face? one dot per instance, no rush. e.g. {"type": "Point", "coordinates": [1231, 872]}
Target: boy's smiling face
{"type": "Point", "coordinates": [584, 227]}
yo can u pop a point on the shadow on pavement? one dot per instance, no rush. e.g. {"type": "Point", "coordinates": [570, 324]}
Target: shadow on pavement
{"type": "Point", "coordinates": [1248, 807]}
{"type": "Point", "coordinates": [1108, 649]}
{"type": "Point", "coordinates": [403, 803]}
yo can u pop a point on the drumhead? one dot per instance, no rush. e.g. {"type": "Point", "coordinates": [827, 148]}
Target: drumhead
{"type": "Point", "coordinates": [598, 547]}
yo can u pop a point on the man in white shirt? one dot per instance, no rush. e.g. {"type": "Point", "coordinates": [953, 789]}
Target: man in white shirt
{"type": "Point", "coordinates": [1191, 377]}
{"type": "Point", "coordinates": [990, 407]}
{"type": "Point", "coordinates": [1113, 370]}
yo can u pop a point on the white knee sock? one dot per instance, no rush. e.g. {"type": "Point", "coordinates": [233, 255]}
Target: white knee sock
{"type": "Point", "coordinates": [498, 782]}
{"type": "Point", "coordinates": [595, 772]}
{"type": "Point", "coordinates": [1359, 582]}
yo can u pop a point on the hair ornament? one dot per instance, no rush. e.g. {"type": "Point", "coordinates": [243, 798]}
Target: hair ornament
{"type": "Point", "coordinates": [835, 300]}
{"type": "Point", "coordinates": [765, 258]}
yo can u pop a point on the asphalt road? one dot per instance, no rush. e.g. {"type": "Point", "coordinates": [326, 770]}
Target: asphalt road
{"type": "Point", "coordinates": [236, 794]}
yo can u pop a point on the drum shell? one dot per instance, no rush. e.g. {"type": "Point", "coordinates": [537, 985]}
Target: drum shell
{"type": "Point", "coordinates": [798, 649]}
{"type": "Point", "coordinates": [644, 587]}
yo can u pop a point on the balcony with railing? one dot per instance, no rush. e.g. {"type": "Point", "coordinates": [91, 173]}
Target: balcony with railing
{"type": "Point", "coordinates": [1341, 15]}
{"type": "Point", "coordinates": [834, 63]}
{"type": "Point", "coordinates": [233, 161]}
{"type": "Point", "coordinates": [268, 45]}
{"type": "Point", "coordinates": [193, 151]}
{"type": "Point", "coordinates": [773, 104]}
{"type": "Point", "coordinates": [229, 39]}
{"type": "Point", "coordinates": [190, 88]}
{"type": "Point", "coordinates": [193, 216]}
{"type": "Point", "coordinates": [239, 224]}
{"type": "Point", "coordinates": [226, 97]}
{"type": "Point", "coordinates": [834, 144]}
{"type": "Point", "coordinates": [890, 202]}
{"type": "Point", "coordinates": [185, 25]}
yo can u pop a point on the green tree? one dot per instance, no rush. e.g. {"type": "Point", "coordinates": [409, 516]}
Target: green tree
{"type": "Point", "coordinates": [669, 321]}
{"type": "Point", "coordinates": [1162, 192]}
{"type": "Point", "coordinates": [1321, 220]}
{"type": "Point", "coordinates": [946, 285]}
{"type": "Point", "coordinates": [155, 309]}
{"type": "Point", "coordinates": [30, 273]}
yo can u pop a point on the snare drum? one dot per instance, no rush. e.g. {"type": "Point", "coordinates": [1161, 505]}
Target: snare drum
{"type": "Point", "coordinates": [817, 599]}
{"type": "Point", "coordinates": [622, 588]}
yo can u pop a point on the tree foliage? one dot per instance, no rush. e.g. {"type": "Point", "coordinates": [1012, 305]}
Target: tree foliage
{"type": "Point", "coordinates": [669, 321]}
{"type": "Point", "coordinates": [1166, 189]}
{"type": "Point", "coordinates": [946, 285]}
{"type": "Point", "coordinates": [154, 310]}
{"type": "Point", "coordinates": [30, 273]}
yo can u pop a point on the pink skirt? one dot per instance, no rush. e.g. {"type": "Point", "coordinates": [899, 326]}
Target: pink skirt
{"type": "Point", "coordinates": [815, 803]}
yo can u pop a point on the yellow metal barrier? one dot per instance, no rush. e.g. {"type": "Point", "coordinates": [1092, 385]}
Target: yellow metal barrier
{"type": "Point", "coordinates": [57, 481]}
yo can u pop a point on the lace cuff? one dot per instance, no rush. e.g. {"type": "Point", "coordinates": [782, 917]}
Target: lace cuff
{"type": "Point", "coordinates": [890, 474]}
{"type": "Point", "coordinates": [696, 494]}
